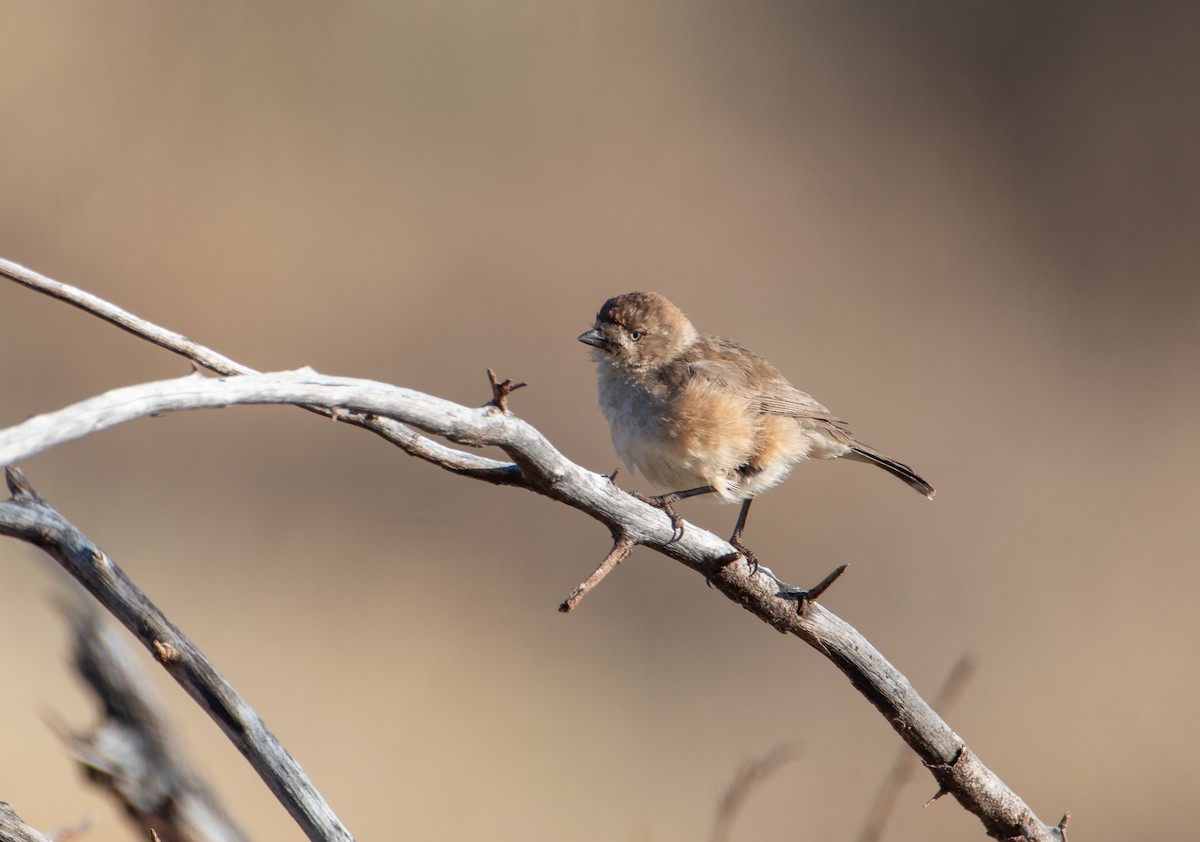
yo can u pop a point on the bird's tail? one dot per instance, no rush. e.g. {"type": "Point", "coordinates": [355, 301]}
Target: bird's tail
{"type": "Point", "coordinates": [861, 453]}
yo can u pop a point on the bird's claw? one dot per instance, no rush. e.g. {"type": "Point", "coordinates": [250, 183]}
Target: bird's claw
{"type": "Point", "coordinates": [664, 502]}
{"type": "Point", "coordinates": [676, 521]}
{"type": "Point", "coordinates": [751, 558]}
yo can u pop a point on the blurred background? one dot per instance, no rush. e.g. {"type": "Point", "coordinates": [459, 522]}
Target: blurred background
{"type": "Point", "coordinates": [969, 229]}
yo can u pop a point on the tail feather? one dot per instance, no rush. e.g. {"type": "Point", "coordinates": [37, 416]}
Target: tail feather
{"type": "Point", "coordinates": [861, 453]}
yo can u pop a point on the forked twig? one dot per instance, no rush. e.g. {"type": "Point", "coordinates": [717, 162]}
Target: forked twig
{"type": "Point", "coordinates": [501, 389]}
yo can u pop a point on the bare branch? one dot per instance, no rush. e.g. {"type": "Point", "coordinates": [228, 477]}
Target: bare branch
{"type": "Point", "coordinates": [545, 470]}
{"type": "Point", "coordinates": [111, 313]}
{"type": "Point", "coordinates": [28, 517]}
{"type": "Point", "coordinates": [906, 762]}
{"type": "Point", "coordinates": [410, 442]}
{"type": "Point", "coordinates": [131, 752]}
{"type": "Point", "coordinates": [538, 466]}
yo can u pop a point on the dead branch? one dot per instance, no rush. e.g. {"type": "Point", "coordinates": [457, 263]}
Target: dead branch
{"type": "Point", "coordinates": [30, 518]}
{"type": "Point", "coordinates": [391, 411]}
{"type": "Point", "coordinates": [906, 762]}
{"type": "Point", "coordinates": [131, 752]}
{"type": "Point", "coordinates": [467, 464]}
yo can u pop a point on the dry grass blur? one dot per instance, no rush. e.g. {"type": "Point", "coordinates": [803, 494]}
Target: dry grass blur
{"type": "Point", "coordinates": [970, 229]}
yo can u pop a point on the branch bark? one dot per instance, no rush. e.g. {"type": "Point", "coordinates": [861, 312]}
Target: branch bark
{"type": "Point", "coordinates": [536, 465]}
{"type": "Point", "coordinates": [906, 763]}
{"type": "Point", "coordinates": [13, 829]}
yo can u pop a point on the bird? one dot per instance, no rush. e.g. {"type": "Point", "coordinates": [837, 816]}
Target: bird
{"type": "Point", "coordinates": [700, 414]}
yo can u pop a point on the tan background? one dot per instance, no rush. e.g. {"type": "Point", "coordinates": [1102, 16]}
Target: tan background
{"type": "Point", "coordinates": [968, 228]}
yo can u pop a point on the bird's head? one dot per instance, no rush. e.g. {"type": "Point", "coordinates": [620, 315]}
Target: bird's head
{"type": "Point", "coordinates": [639, 331]}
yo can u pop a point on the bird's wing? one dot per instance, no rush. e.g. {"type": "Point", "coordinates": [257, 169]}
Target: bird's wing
{"type": "Point", "coordinates": [724, 362]}
{"type": "Point", "coordinates": [786, 399]}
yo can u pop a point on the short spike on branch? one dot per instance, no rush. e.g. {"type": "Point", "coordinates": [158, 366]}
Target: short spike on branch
{"type": "Point", "coordinates": [620, 551]}
{"type": "Point", "coordinates": [501, 389]}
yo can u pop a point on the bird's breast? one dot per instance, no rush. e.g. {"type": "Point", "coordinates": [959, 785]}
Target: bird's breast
{"type": "Point", "coordinates": [640, 423]}
{"type": "Point", "coordinates": [681, 438]}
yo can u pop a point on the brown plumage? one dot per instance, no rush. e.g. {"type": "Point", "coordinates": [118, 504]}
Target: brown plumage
{"type": "Point", "coordinates": [701, 414]}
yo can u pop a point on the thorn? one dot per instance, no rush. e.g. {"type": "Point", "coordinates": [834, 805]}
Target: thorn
{"type": "Point", "coordinates": [814, 593]}
{"type": "Point", "coordinates": [941, 791]}
{"type": "Point", "coordinates": [805, 597]}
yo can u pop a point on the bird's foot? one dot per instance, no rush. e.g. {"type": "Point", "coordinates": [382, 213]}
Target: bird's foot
{"type": "Point", "coordinates": [735, 541]}
{"type": "Point", "coordinates": [664, 501]}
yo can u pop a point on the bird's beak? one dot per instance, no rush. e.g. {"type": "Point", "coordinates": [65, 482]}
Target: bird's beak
{"type": "Point", "coordinates": [594, 338]}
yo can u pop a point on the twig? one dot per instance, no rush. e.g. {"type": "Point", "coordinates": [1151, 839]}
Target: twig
{"type": "Point", "coordinates": [501, 390]}
{"type": "Point", "coordinates": [747, 780]}
{"type": "Point", "coordinates": [111, 313]}
{"type": "Point", "coordinates": [622, 547]}
{"type": "Point", "coordinates": [28, 517]}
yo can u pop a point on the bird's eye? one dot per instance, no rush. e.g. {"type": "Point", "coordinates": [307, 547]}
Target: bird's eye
{"type": "Point", "coordinates": [635, 335]}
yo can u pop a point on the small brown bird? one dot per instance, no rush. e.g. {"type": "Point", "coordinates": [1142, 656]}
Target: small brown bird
{"type": "Point", "coordinates": [704, 415]}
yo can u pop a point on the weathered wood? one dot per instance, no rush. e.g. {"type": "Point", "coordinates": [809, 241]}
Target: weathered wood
{"type": "Point", "coordinates": [12, 829]}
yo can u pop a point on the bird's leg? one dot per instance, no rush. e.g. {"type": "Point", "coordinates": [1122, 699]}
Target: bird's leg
{"type": "Point", "coordinates": [664, 501]}
{"type": "Point", "coordinates": [736, 538]}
